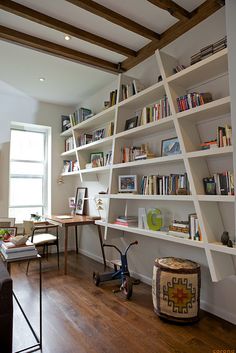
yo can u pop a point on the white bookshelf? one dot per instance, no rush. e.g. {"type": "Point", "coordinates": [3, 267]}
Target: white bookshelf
{"type": "Point", "coordinates": [211, 210]}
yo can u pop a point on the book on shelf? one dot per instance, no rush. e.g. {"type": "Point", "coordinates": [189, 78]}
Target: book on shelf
{"type": "Point", "coordinates": [209, 144]}
{"type": "Point", "coordinates": [192, 100]}
{"type": "Point", "coordinates": [69, 143]}
{"type": "Point", "coordinates": [219, 184]}
{"type": "Point", "coordinates": [133, 87]}
{"type": "Point", "coordinates": [126, 221]}
{"type": "Point", "coordinates": [135, 153]}
{"type": "Point", "coordinates": [194, 227]}
{"type": "Point", "coordinates": [178, 68]}
{"type": "Point", "coordinates": [224, 136]}
{"type": "Point", "coordinates": [80, 115]}
{"type": "Point", "coordinates": [155, 112]}
{"type": "Point", "coordinates": [165, 184]}
{"type": "Point", "coordinates": [65, 123]}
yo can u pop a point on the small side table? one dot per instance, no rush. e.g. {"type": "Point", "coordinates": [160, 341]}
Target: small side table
{"type": "Point", "coordinates": [38, 345]}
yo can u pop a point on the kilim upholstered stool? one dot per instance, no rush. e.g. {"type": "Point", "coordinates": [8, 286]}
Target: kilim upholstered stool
{"type": "Point", "coordinates": [176, 289]}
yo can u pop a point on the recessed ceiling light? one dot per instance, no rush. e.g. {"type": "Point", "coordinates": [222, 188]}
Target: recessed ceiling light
{"type": "Point", "coordinates": [67, 37]}
{"type": "Point", "coordinates": [42, 79]}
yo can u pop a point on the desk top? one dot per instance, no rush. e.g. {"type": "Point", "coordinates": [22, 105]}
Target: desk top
{"type": "Point", "coordinates": [74, 220]}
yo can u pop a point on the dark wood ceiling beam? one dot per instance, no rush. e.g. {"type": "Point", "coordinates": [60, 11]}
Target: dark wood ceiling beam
{"type": "Point", "coordinates": [198, 15]}
{"type": "Point", "coordinates": [114, 17]}
{"type": "Point", "coordinates": [47, 47]}
{"type": "Point", "coordinates": [42, 19]}
{"type": "Point", "coordinates": [173, 8]}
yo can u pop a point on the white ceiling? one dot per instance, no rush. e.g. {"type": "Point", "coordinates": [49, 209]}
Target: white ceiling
{"type": "Point", "coordinates": [68, 82]}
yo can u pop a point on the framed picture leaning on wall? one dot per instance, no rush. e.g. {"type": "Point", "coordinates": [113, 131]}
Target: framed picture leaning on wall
{"type": "Point", "coordinates": [81, 194]}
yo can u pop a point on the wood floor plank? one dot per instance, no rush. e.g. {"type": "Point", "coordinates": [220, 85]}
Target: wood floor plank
{"type": "Point", "coordinates": [80, 317]}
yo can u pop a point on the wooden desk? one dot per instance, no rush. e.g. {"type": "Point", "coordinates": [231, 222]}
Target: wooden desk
{"type": "Point", "coordinates": [74, 222]}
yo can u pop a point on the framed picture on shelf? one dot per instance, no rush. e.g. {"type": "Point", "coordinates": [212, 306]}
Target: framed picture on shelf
{"type": "Point", "coordinates": [131, 123]}
{"type": "Point", "coordinates": [127, 183]}
{"type": "Point", "coordinates": [170, 147]}
{"type": "Point", "coordinates": [71, 201]}
{"type": "Point", "coordinates": [99, 134]}
{"type": "Point", "coordinates": [81, 193]}
{"type": "Point", "coordinates": [7, 232]}
{"type": "Point", "coordinates": [96, 159]}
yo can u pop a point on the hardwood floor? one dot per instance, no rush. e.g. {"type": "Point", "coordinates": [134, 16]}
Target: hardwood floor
{"type": "Point", "coordinates": [79, 317]}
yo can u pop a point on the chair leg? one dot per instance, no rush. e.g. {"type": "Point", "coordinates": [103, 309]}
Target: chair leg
{"type": "Point", "coordinates": [27, 269]}
{"type": "Point", "coordinates": [57, 254]}
{"type": "Point", "coordinates": [76, 240]}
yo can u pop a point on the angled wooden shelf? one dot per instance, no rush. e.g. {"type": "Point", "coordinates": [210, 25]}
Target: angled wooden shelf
{"type": "Point", "coordinates": [216, 198]}
{"type": "Point", "coordinates": [96, 120]}
{"type": "Point", "coordinates": [150, 161]}
{"type": "Point", "coordinates": [66, 133]}
{"type": "Point", "coordinates": [97, 170]}
{"type": "Point", "coordinates": [127, 196]}
{"type": "Point", "coordinates": [77, 172]}
{"type": "Point", "coordinates": [107, 141]}
{"type": "Point", "coordinates": [69, 153]}
{"type": "Point", "coordinates": [212, 152]}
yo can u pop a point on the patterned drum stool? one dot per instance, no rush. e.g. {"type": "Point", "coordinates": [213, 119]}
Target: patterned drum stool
{"type": "Point", "coordinates": [176, 289]}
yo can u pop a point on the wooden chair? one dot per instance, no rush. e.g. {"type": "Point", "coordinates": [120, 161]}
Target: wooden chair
{"type": "Point", "coordinates": [7, 222]}
{"type": "Point", "coordinates": [41, 239]}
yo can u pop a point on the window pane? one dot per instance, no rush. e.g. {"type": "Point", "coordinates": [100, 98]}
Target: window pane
{"type": "Point", "coordinates": [27, 191]}
{"type": "Point", "coordinates": [27, 145]}
{"type": "Point", "coordinates": [27, 168]}
{"type": "Point", "coordinates": [23, 214]}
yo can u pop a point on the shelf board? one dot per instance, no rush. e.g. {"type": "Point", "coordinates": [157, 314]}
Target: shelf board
{"type": "Point", "coordinates": [157, 235]}
{"type": "Point", "coordinates": [217, 246]}
{"type": "Point", "coordinates": [96, 170]}
{"type": "Point", "coordinates": [147, 96]}
{"type": "Point", "coordinates": [103, 117]}
{"type": "Point", "coordinates": [127, 196]}
{"type": "Point", "coordinates": [160, 125]}
{"type": "Point", "coordinates": [90, 146]}
{"type": "Point", "coordinates": [101, 223]}
{"type": "Point", "coordinates": [210, 67]}
{"type": "Point", "coordinates": [207, 111]}
{"type": "Point", "coordinates": [216, 198]}
{"type": "Point", "coordinates": [212, 152]}
{"type": "Point", "coordinates": [150, 161]}
{"type": "Point", "coordinates": [68, 153]}
{"type": "Point", "coordinates": [70, 173]}
{"type": "Point", "coordinates": [66, 133]}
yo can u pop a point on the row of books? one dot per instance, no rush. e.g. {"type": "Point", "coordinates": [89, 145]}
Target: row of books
{"type": "Point", "coordinates": [11, 251]}
{"type": "Point", "coordinates": [70, 166]}
{"type": "Point", "coordinates": [219, 184]}
{"type": "Point", "coordinates": [80, 115]}
{"type": "Point", "coordinates": [69, 143]}
{"type": "Point", "coordinates": [173, 184]}
{"type": "Point", "coordinates": [135, 153]}
{"type": "Point", "coordinates": [155, 112]}
{"type": "Point", "coordinates": [192, 100]}
{"type": "Point", "coordinates": [112, 101]}
{"type": "Point", "coordinates": [223, 139]}
{"type": "Point", "coordinates": [100, 160]}
{"type": "Point", "coordinates": [209, 50]}
{"type": "Point", "coordinates": [127, 221]}
{"type": "Point", "coordinates": [130, 89]}
{"type": "Point", "coordinates": [98, 134]}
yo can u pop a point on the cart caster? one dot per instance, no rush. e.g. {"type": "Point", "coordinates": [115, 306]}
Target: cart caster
{"type": "Point", "coordinates": [127, 288]}
{"type": "Point", "coordinates": [96, 278]}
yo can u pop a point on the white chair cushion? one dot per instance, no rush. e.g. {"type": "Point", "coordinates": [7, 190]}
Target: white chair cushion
{"type": "Point", "coordinates": [43, 238]}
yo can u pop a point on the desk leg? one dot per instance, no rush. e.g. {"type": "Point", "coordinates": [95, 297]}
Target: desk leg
{"type": "Point", "coordinates": [101, 243]}
{"type": "Point", "coordinates": [65, 250]}
{"type": "Point", "coordinates": [76, 240]}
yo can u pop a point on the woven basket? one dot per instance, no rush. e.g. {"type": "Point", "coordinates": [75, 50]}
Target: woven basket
{"type": "Point", "coordinates": [176, 289]}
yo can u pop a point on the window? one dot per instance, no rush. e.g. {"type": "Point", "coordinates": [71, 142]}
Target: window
{"type": "Point", "coordinates": [29, 171]}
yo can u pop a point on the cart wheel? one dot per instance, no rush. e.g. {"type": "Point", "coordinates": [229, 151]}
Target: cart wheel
{"type": "Point", "coordinates": [96, 278]}
{"type": "Point", "coordinates": [127, 287]}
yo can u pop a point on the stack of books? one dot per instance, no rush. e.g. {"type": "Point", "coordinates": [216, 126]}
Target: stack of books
{"type": "Point", "coordinates": [209, 50]}
{"type": "Point", "coordinates": [127, 221]}
{"type": "Point", "coordinates": [135, 153]}
{"type": "Point", "coordinates": [192, 100]}
{"type": "Point", "coordinates": [179, 229]}
{"type": "Point", "coordinates": [219, 184]}
{"type": "Point", "coordinates": [11, 251]}
{"type": "Point", "coordinates": [224, 136]}
{"type": "Point", "coordinates": [165, 185]}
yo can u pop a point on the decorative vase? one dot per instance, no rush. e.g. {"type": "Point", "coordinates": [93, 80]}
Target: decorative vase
{"type": "Point", "coordinates": [225, 238]}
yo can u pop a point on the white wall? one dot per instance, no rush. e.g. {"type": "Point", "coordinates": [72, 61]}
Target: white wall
{"type": "Point", "coordinates": [15, 106]}
{"type": "Point", "coordinates": [218, 298]}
